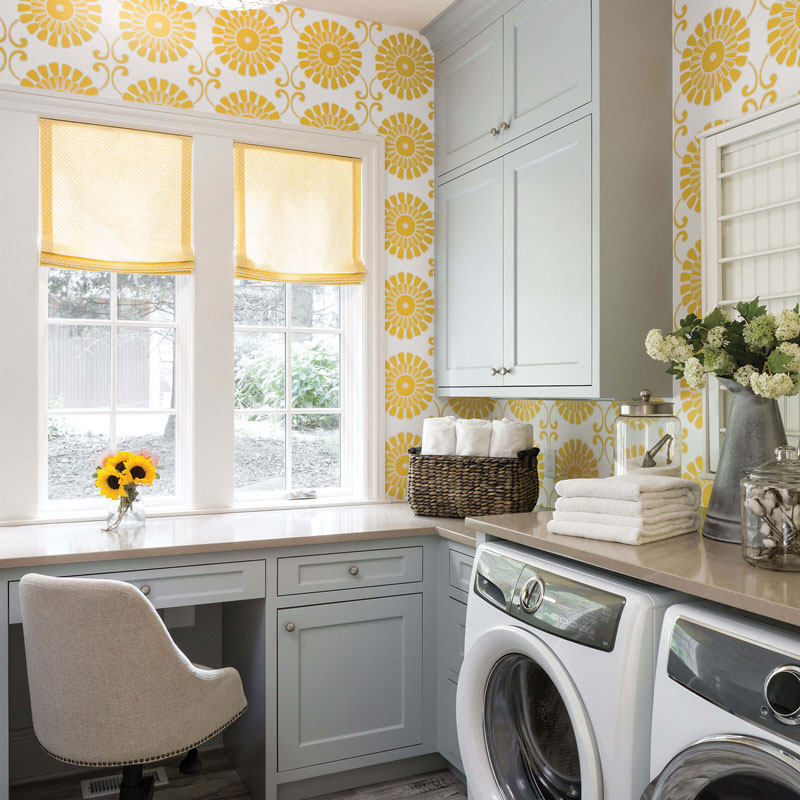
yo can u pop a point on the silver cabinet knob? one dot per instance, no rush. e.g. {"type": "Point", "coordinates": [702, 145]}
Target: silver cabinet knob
{"type": "Point", "coordinates": [494, 371]}
{"type": "Point", "coordinates": [290, 626]}
{"type": "Point", "coordinates": [504, 371]}
{"type": "Point", "coordinates": [354, 570]}
{"type": "Point", "coordinates": [494, 131]}
{"type": "Point", "coordinates": [504, 126]}
{"type": "Point", "coordinates": [145, 590]}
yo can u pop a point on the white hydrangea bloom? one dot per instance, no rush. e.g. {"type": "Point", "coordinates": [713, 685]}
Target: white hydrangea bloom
{"type": "Point", "coordinates": [766, 385]}
{"type": "Point", "coordinates": [677, 349]}
{"type": "Point", "coordinates": [695, 374]}
{"type": "Point", "coordinates": [716, 337]}
{"type": "Point", "coordinates": [793, 350]}
{"type": "Point", "coordinates": [718, 361]}
{"type": "Point", "coordinates": [743, 374]}
{"type": "Point", "coordinates": [788, 325]}
{"type": "Point", "coordinates": [759, 333]}
{"type": "Point", "coordinates": [654, 344]}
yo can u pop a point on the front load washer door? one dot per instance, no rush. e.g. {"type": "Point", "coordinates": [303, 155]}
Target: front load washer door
{"type": "Point", "coordinates": [729, 768]}
{"type": "Point", "coordinates": [523, 730]}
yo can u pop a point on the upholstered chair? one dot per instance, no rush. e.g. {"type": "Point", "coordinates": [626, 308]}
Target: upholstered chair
{"type": "Point", "coordinates": [108, 685]}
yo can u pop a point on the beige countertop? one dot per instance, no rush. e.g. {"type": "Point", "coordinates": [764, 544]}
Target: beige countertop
{"type": "Point", "coordinates": [76, 542]}
{"type": "Point", "coordinates": [690, 563]}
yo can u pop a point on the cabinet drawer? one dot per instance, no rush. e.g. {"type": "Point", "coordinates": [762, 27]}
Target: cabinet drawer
{"type": "Point", "coordinates": [325, 573]}
{"type": "Point", "coordinates": [460, 570]}
{"type": "Point", "coordinates": [179, 586]}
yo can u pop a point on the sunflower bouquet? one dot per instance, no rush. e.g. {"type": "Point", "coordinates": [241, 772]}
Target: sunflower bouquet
{"type": "Point", "coordinates": [119, 476]}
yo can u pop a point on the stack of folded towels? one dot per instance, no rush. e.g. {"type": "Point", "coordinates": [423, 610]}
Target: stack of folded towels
{"type": "Point", "coordinates": [499, 438]}
{"type": "Point", "coordinates": [632, 509]}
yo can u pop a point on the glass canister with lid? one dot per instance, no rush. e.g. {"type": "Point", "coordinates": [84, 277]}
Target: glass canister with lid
{"type": "Point", "coordinates": [771, 512]}
{"type": "Point", "coordinates": [647, 437]}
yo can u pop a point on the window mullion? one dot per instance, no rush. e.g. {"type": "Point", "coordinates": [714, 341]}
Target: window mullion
{"type": "Point", "coordinates": [114, 364]}
{"type": "Point", "coordinates": [287, 398]}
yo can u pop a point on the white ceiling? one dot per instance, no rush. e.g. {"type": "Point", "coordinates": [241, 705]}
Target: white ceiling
{"type": "Point", "coordinates": [413, 14]}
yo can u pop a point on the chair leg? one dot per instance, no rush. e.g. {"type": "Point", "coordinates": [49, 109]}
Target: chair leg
{"type": "Point", "coordinates": [191, 763]}
{"type": "Point", "coordinates": [134, 786]}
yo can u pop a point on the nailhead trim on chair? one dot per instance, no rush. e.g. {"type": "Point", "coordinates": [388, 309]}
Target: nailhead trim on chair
{"type": "Point", "coordinates": [150, 759]}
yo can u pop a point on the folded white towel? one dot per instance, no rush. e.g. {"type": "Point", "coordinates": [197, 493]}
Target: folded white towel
{"type": "Point", "coordinates": [647, 507]}
{"type": "Point", "coordinates": [616, 533]}
{"type": "Point", "coordinates": [631, 487]}
{"type": "Point", "coordinates": [509, 437]}
{"type": "Point", "coordinates": [473, 437]}
{"type": "Point", "coordinates": [439, 436]}
{"type": "Point", "coordinates": [662, 523]}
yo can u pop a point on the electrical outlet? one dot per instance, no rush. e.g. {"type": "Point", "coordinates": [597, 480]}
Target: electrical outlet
{"type": "Point", "coordinates": [179, 617]}
{"type": "Point", "coordinates": [550, 462]}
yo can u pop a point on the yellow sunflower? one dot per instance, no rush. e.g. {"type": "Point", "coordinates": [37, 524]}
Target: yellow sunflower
{"type": "Point", "coordinates": [60, 23]}
{"type": "Point", "coordinates": [397, 462]}
{"type": "Point", "coordinates": [694, 472]}
{"type": "Point", "coordinates": [783, 35]}
{"type": "Point", "coordinates": [713, 57]}
{"type": "Point", "coordinates": [690, 176]}
{"type": "Point", "coordinates": [524, 410]}
{"type": "Point", "coordinates": [329, 54]}
{"type": "Point", "coordinates": [158, 92]}
{"type": "Point", "coordinates": [692, 280]}
{"type": "Point", "coordinates": [472, 407]}
{"type": "Point", "coordinates": [409, 385]}
{"type": "Point", "coordinates": [409, 305]}
{"type": "Point", "coordinates": [409, 226]}
{"type": "Point", "coordinates": [330, 116]}
{"type": "Point", "coordinates": [116, 461]}
{"type": "Point", "coordinates": [158, 30]}
{"type": "Point", "coordinates": [248, 42]}
{"type": "Point", "coordinates": [692, 407]}
{"type": "Point", "coordinates": [404, 66]}
{"type": "Point", "coordinates": [409, 145]}
{"type": "Point", "coordinates": [141, 469]}
{"type": "Point", "coordinates": [60, 77]}
{"type": "Point", "coordinates": [111, 483]}
{"type": "Point", "coordinates": [247, 103]}
{"type": "Point", "coordinates": [576, 460]}
{"type": "Point", "coordinates": [576, 411]}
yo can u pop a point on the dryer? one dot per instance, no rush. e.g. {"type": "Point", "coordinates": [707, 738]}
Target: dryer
{"type": "Point", "coordinates": [554, 695]}
{"type": "Point", "coordinates": [726, 708]}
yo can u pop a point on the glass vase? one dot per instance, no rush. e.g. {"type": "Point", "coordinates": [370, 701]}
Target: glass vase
{"type": "Point", "coordinates": [125, 515]}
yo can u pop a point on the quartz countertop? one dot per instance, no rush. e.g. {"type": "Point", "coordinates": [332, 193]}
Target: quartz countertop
{"type": "Point", "coordinates": [75, 542]}
{"type": "Point", "coordinates": [690, 563]}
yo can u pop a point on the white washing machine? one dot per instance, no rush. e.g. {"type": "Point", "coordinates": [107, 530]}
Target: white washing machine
{"type": "Point", "coordinates": [726, 708]}
{"type": "Point", "coordinates": [555, 692]}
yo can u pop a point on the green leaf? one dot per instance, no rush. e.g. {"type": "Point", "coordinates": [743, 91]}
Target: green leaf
{"type": "Point", "coordinates": [749, 311]}
{"type": "Point", "coordinates": [715, 318]}
{"type": "Point", "coordinates": [779, 362]}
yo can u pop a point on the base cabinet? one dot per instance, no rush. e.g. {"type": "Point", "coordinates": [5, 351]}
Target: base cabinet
{"type": "Point", "coordinates": [350, 678]}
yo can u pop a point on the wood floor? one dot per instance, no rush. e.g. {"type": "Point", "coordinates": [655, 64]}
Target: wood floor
{"type": "Point", "coordinates": [219, 781]}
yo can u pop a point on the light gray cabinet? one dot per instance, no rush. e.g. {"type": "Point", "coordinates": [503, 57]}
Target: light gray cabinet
{"type": "Point", "coordinates": [349, 678]}
{"type": "Point", "coordinates": [469, 278]}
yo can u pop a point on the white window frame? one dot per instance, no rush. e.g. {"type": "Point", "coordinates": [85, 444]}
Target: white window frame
{"type": "Point", "coordinates": [712, 142]}
{"type": "Point", "coordinates": [209, 349]}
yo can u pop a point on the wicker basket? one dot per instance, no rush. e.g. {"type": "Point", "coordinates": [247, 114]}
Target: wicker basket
{"type": "Point", "coordinates": [471, 486]}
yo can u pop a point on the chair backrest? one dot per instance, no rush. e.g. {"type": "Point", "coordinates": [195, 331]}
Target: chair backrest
{"type": "Point", "coordinates": [100, 661]}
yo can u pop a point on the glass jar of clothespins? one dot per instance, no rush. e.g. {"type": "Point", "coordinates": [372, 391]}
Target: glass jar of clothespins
{"type": "Point", "coordinates": [647, 437]}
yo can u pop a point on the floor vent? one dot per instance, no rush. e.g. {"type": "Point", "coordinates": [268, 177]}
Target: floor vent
{"type": "Point", "coordinates": [109, 784]}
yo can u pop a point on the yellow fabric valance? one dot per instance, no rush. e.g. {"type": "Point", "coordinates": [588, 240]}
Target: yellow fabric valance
{"type": "Point", "coordinates": [298, 216]}
{"type": "Point", "coordinates": [115, 199]}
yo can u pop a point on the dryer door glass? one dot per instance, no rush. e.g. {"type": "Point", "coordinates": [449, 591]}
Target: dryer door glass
{"type": "Point", "coordinates": [529, 734]}
{"type": "Point", "coordinates": [745, 787]}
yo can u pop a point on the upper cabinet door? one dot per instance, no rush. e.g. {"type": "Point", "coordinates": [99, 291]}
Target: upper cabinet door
{"type": "Point", "coordinates": [548, 260]}
{"type": "Point", "coordinates": [469, 99]}
{"type": "Point", "coordinates": [469, 278]}
{"type": "Point", "coordinates": [548, 61]}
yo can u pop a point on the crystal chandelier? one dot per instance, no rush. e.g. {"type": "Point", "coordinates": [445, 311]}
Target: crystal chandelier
{"type": "Point", "coordinates": [235, 5]}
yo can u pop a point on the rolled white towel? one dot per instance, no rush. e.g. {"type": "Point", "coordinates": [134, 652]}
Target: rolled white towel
{"type": "Point", "coordinates": [631, 487]}
{"type": "Point", "coordinates": [617, 533]}
{"type": "Point", "coordinates": [647, 507]}
{"type": "Point", "coordinates": [439, 436]}
{"type": "Point", "coordinates": [509, 437]}
{"type": "Point", "coordinates": [473, 437]}
{"type": "Point", "coordinates": [662, 523]}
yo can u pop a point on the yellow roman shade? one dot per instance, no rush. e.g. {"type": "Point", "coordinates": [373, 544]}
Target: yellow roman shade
{"type": "Point", "coordinates": [115, 199]}
{"type": "Point", "coordinates": [298, 216]}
